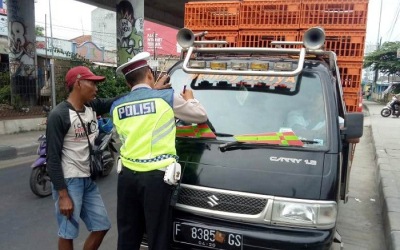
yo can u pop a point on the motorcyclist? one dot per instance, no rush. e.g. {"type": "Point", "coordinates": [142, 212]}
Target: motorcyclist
{"type": "Point", "coordinates": [394, 103]}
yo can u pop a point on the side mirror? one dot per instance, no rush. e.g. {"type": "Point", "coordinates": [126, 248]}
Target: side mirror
{"type": "Point", "coordinates": [353, 125]}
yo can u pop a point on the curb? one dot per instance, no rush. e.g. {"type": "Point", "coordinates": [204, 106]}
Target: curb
{"type": "Point", "coordinates": [12, 152]}
{"type": "Point", "coordinates": [365, 107]}
{"type": "Point", "coordinates": [8, 152]}
{"type": "Point", "coordinates": [389, 197]}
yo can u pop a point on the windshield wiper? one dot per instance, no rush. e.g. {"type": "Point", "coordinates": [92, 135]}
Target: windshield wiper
{"type": "Point", "coordinates": [224, 147]}
{"type": "Point", "coordinates": [223, 134]}
{"type": "Point", "coordinates": [309, 141]}
{"type": "Point", "coordinates": [242, 145]}
{"type": "Point", "coordinates": [247, 145]}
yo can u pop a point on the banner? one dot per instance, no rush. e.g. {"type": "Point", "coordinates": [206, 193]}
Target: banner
{"type": "Point", "coordinates": [160, 39]}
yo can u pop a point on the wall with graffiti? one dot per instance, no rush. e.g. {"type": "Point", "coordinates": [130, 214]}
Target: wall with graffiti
{"type": "Point", "coordinates": [22, 51]}
{"type": "Point", "coordinates": [65, 49]}
{"type": "Point", "coordinates": [21, 32]}
{"type": "Point", "coordinates": [93, 53]}
{"type": "Point", "coordinates": [130, 22]}
{"type": "Point", "coordinates": [62, 48]}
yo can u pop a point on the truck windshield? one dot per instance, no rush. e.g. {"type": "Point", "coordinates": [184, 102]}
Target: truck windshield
{"type": "Point", "coordinates": [246, 110]}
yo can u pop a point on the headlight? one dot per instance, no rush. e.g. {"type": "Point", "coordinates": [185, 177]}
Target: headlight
{"type": "Point", "coordinates": [319, 215]}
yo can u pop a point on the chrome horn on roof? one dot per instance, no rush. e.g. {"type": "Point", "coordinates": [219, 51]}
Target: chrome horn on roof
{"type": "Point", "coordinates": [314, 38]}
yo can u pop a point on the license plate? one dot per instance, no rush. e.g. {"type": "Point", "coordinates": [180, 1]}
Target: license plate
{"type": "Point", "coordinates": [196, 235]}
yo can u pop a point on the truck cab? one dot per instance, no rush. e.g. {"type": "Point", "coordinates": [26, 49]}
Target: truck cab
{"type": "Point", "coordinates": [271, 164]}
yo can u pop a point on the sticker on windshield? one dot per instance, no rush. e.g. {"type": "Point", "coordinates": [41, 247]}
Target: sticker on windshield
{"type": "Point", "coordinates": [277, 138]}
{"type": "Point", "coordinates": [195, 131]}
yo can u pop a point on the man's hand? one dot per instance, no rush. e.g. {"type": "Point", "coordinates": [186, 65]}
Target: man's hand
{"type": "Point", "coordinates": [65, 203]}
{"type": "Point", "coordinates": [187, 94]}
{"type": "Point", "coordinates": [162, 83]}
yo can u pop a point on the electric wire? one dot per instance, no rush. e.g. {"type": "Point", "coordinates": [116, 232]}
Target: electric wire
{"type": "Point", "coordinates": [395, 18]}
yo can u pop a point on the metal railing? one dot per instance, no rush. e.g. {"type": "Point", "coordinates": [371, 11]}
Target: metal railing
{"type": "Point", "coordinates": [24, 96]}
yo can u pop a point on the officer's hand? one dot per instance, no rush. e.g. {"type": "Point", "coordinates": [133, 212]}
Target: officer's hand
{"type": "Point", "coordinates": [162, 83]}
{"type": "Point", "coordinates": [188, 94]}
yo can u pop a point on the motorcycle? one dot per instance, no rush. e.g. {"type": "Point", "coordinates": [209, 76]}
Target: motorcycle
{"type": "Point", "coordinates": [40, 183]}
{"type": "Point", "coordinates": [388, 110]}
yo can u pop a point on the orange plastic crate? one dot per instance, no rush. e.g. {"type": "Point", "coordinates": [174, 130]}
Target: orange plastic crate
{"type": "Point", "coordinates": [204, 16]}
{"type": "Point", "coordinates": [263, 39]}
{"type": "Point", "coordinates": [271, 14]}
{"type": "Point", "coordinates": [334, 14]}
{"type": "Point", "coordinates": [348, 45]}
{"type": "Point", "coordinates": [351, 99]}
{"type": "Point", "coordinates": [230, 36]}
{"type": "Point", "coordinates": [350, 73]}
{"type": "Point", "coordinates": [353, 108]}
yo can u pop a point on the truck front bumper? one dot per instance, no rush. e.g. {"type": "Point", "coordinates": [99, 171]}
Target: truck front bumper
{"type": "Point", "coordinates": [248, 236]}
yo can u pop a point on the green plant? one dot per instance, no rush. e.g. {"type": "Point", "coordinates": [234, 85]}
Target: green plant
{"type": "Point", "coordinates": [5, 94]}
{"type": "Point", "coordinates": [16, 102]}
{"type": "Point", "coordinates": [5, 88]}
{"type": "Point", "coordinates": [113, 85]}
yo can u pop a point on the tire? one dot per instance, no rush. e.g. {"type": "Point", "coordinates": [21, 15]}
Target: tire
{"type": "Point", "coordinates": [385, 112]}
{"type": "Point", "coordinates": [40, 181]}
{"type": "Point", "coordinates": [108, 166]}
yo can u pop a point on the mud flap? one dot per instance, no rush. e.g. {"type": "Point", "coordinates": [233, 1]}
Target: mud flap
{"type": "Point", "coordinates": [337, 242]}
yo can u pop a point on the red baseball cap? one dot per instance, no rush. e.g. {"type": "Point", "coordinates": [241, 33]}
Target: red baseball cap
{"type": "Point", "coordinates": [81, 73]}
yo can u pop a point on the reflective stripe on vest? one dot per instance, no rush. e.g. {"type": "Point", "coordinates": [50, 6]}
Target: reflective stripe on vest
{"type": "Point", "coordinates": [146, 125]}
{"type": "Point", "coordinates": [163, 131]}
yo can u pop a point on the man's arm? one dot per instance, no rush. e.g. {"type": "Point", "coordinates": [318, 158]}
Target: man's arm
{"type": "Point", "coordinates": [188, 109]}
{"type": "Point", "coordinates": [55, 133]}
{"type": "Point", "coordinates": [103, 105]}
{"type": "Point", "coordinates": [57, 128]}
{"type": "Point", "coordinates": [295, 120]}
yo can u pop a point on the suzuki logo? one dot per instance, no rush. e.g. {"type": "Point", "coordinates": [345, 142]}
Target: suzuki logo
{"type": "Point", "coordinates": [213, 200]}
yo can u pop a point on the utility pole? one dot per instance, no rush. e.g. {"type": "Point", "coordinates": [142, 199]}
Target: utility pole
{"type": "Point", "coordinates": [154, 45]}
{"type": "Point", "coordinates": [53, 83]}
{"type": "Point", "coordinates": [378, 42]}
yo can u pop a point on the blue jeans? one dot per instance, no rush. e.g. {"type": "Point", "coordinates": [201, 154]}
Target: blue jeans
{"type": "Point", "coordinates": [88, 205]}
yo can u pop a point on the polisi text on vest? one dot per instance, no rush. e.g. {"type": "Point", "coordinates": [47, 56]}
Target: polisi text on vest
{"type": "Point", "coordinates": [136, 109]}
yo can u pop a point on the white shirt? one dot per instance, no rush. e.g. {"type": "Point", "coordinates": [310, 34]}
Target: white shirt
{"type": "Point", "coordinates": [297, 118]}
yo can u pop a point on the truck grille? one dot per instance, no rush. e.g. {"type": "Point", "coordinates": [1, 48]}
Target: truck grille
{"type": "Point", "coordinates": [223, 201]}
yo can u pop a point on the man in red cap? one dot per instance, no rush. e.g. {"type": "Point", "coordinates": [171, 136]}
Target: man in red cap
{"type": "Point", "coordinates": [71, 124]}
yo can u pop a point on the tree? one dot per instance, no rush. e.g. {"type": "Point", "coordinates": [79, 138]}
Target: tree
{"type": "Point", "coordinates": [384, 59]}
{"type": "Point", "coordinates": [113, 85]}
{"type": "Point", "coordinates": [39, 30]}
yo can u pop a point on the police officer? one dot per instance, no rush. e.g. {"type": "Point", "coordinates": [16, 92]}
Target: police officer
{"type": "Point", "coordinates": [145, 122]}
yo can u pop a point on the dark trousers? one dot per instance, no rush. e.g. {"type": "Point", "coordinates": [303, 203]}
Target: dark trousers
{"type": "Point", "coordinates": [143, 206]}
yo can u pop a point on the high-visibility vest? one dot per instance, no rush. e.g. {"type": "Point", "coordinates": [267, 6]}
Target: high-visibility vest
{"type": "Point", "coordinates": [145, 122]}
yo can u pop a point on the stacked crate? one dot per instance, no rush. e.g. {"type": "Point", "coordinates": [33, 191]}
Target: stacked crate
{"type": "Point", "coordinates": [262, 22]}
{"type": "Point", "coordinates": [344, 23]}
{"type": "Point", "coordinates": [220, 18]}
{"type": "Point", "coordinates": [256, 23]}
